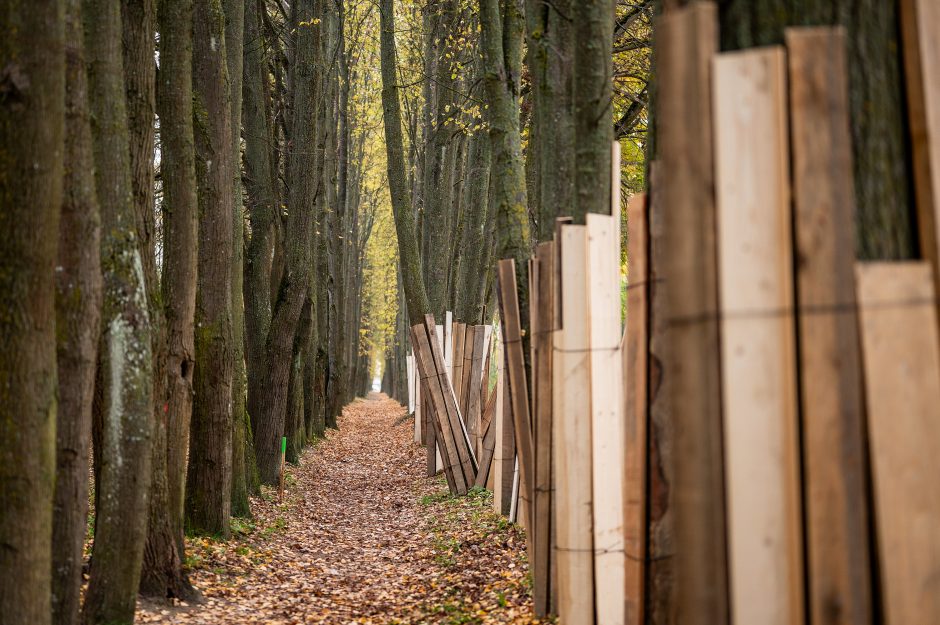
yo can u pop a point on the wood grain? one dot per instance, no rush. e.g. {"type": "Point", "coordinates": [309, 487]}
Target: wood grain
{"type": "Point", "coordinates": [898, 321]}
{"type": "Point", "coordinates": [688, 38]}
{"type": "Point", "coordinates": [836, 512]}
{"type": "Point", "coordinates": [758, 353]}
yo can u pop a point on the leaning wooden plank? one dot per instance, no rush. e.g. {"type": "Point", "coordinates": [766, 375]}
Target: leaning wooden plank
{"type": "Point", "coordinates": [608, 434]}
{"type": "Point", "coordinates": [410, 375]}
{"type": "Point", "coordinates": [474, 377]}
{"type": "Point", "coordinates": [458, 343]}
{"type": "Point", "coordinates": [634, 351]}
{"type": "Point", "coordinates": [541, 308]}
{"type": "Point", "coordinates": [758, 354]}
{"type": "Point", "coordinates": [920, 30]}
{"type": "Point", "coordinates": [419, 433]}
{"type": "Point", "coordinates": [688, 38]}
{"type": "Point", "coordinates": [516, 374]}
{"type": "Point", "coordinates": [837, 540]}
{"type": "Point", "coordinates": [470, 337]}
{"type": "Point", "coordinates": [467, 461]}
{"type": "Point", "coordinates": [898, 323]}
{"type": "Point", "coordinates": [437, 411]}
{"type": "Point", "coordinates": [486, 456]}
{"type": "Point", "coordinates": [571, 434]}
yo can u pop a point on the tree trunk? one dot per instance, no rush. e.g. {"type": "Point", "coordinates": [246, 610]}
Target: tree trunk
{"type": "Point", "coordinates": [162, 574]}
{"type": "Point", "coordinates": [32, 133]}
{"type": "Point", "coordinates": [410, 258]}
{"type": "Point", "coordinates": [501, 25]}
{"type": "Point", "coordinates": [469, 305]}
{"type": "Point", "coordinates": [259, 185]}
{"type": "Point", "coordinates": [209, 480]}
{"type": "Point", "coordinates": [78, 324]}
{"type": "Point", "coordinates": [296, 278]}
{"type": "Point", "coordinates": [123, 413]}
{"type": "Point", "coordinates": [593, 106]}
{"type": "Point", "coordinates": [234, 44]}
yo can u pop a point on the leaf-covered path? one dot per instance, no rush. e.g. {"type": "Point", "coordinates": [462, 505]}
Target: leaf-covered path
{"type": "Point", "coordinates": [361, 537]}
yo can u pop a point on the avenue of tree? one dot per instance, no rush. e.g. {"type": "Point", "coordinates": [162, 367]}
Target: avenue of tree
{"type": "Point", "coordinates": [218, 219]}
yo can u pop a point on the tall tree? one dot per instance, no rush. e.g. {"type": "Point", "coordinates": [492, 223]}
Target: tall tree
{"type": "Point", "coordinates": [32, 99]}
{"type": "Point", "coordinates": [593, 110]}
{"type": "Point", "coordinates": [78, 323]}
{"type": "Point", "coordinates": [163, 574]}
{"type": "Point", "coordinates": [294, 284]}
{"type": "Point", "coordinates": [234, 44]}
{"type": "Point", "coordinates": [209, 479]}
{"type": "Point", "coordinates": [258, 176]}
{"type": "Point", "coordinates": [409, 255]}
{"type": "Point", "coordinates": [501, 30]}
{"type": "Point", "coordinates": [123, 410]}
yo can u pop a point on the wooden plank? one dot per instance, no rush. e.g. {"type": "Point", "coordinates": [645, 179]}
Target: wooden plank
{"type": "Point", "coordinates": [634, 351]}
{"type": "Point", "coordinates": [571, 434]}
{"type": "Point", "coordinates": [608, 433]}
{"type": "Point", "coordinates": [541, 307]}
{"type": "Point", "coordinates": [516, 374]}
{"type": "Point", "coordinates": [470, 337]}
{"type": "Point", "coordinates": [465, 455]}
{"type": "Point", "coordinates": [436, 410]}
{"type": "Point", "coordinates": [920, 40]}
{"type": "Point", "coordinates": [474, 382]}
{"type": "Point", "coordinates": [486, 455]}
{"type": "Point", "coordinates": [836, 515]}
{"type": "Point", "coordinates": [505, 453]}
{"type": "Point", "coordinates": [458, 342]}
{"type": "Point", "coordinates": [687, 40]}
{"type": "Point", "coordinates": [419, 417]}
{"type": "Point", "coordinates": [410, 375]}
{"type": "Point", "coordinates": [660, 596]}
{"type": "Point", "coordinates": [758, 352]}
{"type": "Point", "coordinates": [898, 323]}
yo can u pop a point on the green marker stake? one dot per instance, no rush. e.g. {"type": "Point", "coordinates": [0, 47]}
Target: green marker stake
{"type": "Point", "coordinates": [283, 445]}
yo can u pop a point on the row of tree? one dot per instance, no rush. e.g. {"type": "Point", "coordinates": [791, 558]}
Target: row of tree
{"type": "Point", "coordinates": [184, 220]}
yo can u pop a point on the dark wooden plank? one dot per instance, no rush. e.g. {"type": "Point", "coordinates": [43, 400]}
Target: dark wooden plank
{"type": "Point", "coordinates": [474, 383]}
{"type": "Point", "coordinates": [437, 409]}
{"type": "Point", "coordinates": [542, 327]}
{"type": "Point", "coordinates": [832, 410]}
{"type": "Point", "coordinates": [688, 39]}
{"type": "Point", "coordinates": [516, 375]}
{"type": "Point", "coordinates": [635, 353]}
{"type": "Point", "coordinates": [486, 456]}
{"type": "Point", "coordinates": [505, 455]}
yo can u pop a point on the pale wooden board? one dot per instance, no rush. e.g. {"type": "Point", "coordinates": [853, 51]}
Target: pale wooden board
{"type": "Point", "coordinates": [634, 351]}
{"type": "Point", "coordinates": [837, 540]}
{"type": "Point", "coordinates": [608, 434]}
{"type": "Point", "coordinates": [541, 308]}
{"type": "Point", "coordinates": [659, 597]}
{"type": "Point", "coordinates": [436, 410]}
{"type": "Point", "coordinates": [686, 40]}
{"type": "Point", "coordinates": [474, 384]}
{"type": "Point", "coordinates": [419, 433]}
{"type": "Point", "coordinates": [898, 323]}
{"type": "Point", "coordinates": [920, 28]}
{"type": "Point", "coordinates": [758, 353]}
{"type": "Point", "coordinates": [410, 374]}
{"type": "Point", "coordinates": [571, 434]}
{"type": "Point", "coordinates": [505, 453]}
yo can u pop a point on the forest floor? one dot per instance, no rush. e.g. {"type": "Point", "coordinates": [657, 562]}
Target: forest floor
{"type": "Point", "coordinates": [361, 536]}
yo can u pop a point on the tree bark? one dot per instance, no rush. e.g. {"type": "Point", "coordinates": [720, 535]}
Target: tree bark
{"type": "Point", "coordinates": [501, 27]}
{"type": "Point", "coordinates": [259, 185]}
{"type": "Point", "coordinates": [593, 106]}
{"type": "Point", "coordinates": [78, 323]}
{"type": "Point", "coordinates": [234, 44]}
{"type": "Point", "coordinates": [32, 123]}
{"type": "Point", "coordinates": [209, 479]}
{"type": "Point", "coordinates": [123, 408]}
{"type": "Point", "coordinates": [162, 574]}
{"type": "Point", "coordinates": [469, 305]}
{"type": "Point", "coordinates": [410, 258]}
{"type": "Point", "coordinates": [296, 278]}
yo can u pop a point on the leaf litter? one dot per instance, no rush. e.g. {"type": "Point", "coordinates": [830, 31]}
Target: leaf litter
{"type": "Point", "coordinates": [361, 536]}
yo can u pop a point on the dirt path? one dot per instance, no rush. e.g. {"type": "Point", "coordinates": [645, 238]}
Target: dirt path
{"type": "Point", "coordinates": [362, 537]}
